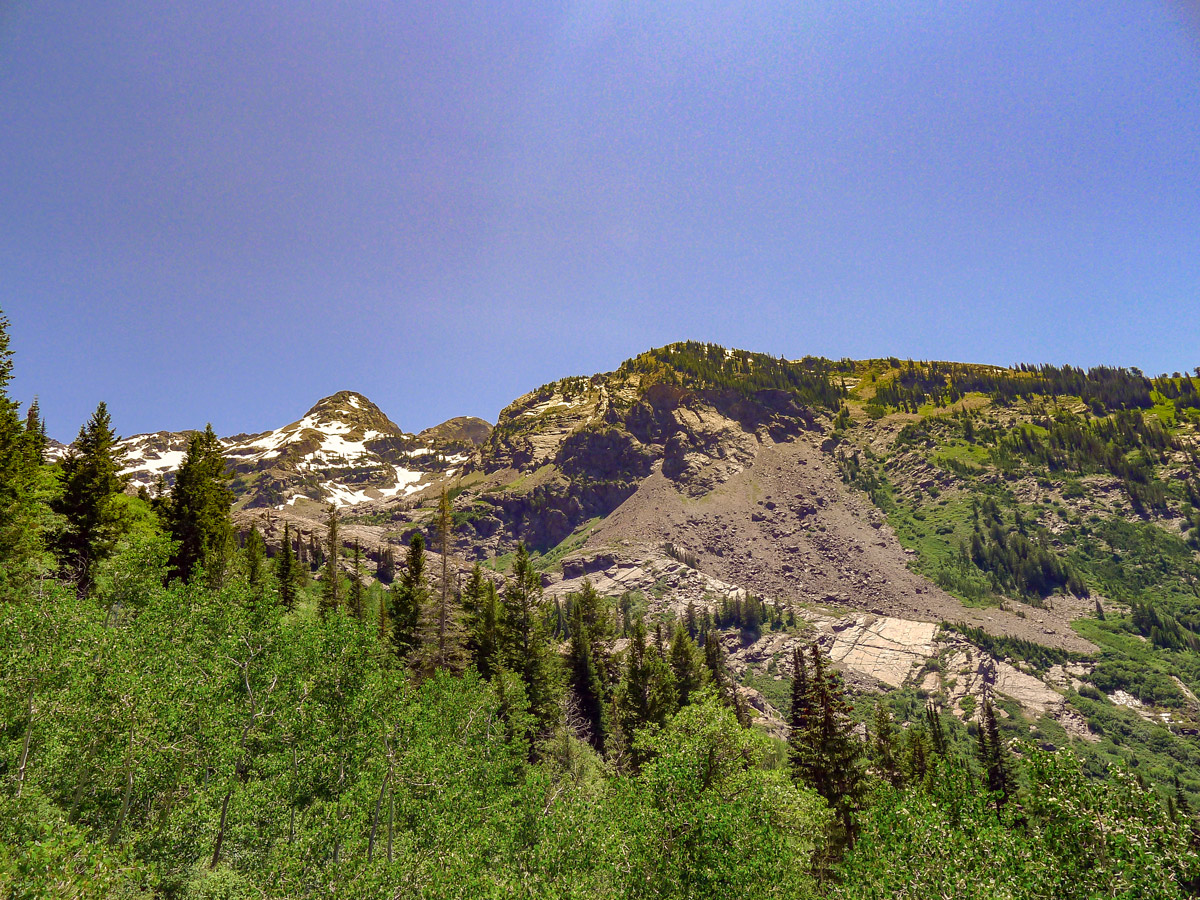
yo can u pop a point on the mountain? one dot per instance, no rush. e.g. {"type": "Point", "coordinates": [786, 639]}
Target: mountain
{"type": "Point", "coordinates": [997, 563]}
{"type": "Point", "coordinates": [343, 451]}
{"type": "Point", "coordinates": [955, 531]}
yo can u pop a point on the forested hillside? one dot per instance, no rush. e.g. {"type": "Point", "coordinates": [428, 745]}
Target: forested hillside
{"type": "Point", "coordinates": [190, 709]}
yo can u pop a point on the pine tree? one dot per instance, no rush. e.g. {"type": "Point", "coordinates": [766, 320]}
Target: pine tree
{"type": "Point", "coordinates": [825, 755]}
{"type": "Point", "coordinates": [91, 484]}
{"type": "Point", "coordinates": [385, 571]}
{"type": "Point", "coordinates": [583, 672]}
{"type": "Point", "coordinates": [523, 646]}
{"type": "Point", "coordinates": [799, 714]}
{"type": "Point", "coordinates": [356, 585]}
{"type": "Point", "coordinates": [331, 577]}
{"type": "Point", "coordinates": [410, 594]}
{"type": "Point", "coordinates": [443, 639]}
{"type": "Point", "coordinates": [916, 755]}
{"type": "Point", "coordinates": [255, 555]}
{"type": "Point", "coordinates": [937, 734]}
{"type": "Point", "coordinates": [714, 660]}
{"type": "Point", "coordinates": [647, 694]}
{"type": "Point", "coordinates": [472, 611]}
{"type": "Point", "coordinates": [287, 570]}
{"type": "Point", "coordinates": [35, 435]}
{"type": "Point", "coordinates": [993, 756]}
{"type": "Point", "coordinates": [687, 665]}
{"type": "Point", "coordinates": [883, 746]}
{"type": "Point", "coordinates": [488, 633]}
{"type": "Point", "coordinates": [20, 536]}
{"type": "Point", "coordinates": [197, 510]}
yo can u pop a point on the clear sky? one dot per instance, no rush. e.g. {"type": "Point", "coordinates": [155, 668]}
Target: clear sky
{"type": "Point", "coordinates": [223, 211]}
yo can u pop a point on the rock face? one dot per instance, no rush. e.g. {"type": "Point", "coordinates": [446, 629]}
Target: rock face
{"type": "Point", "coordinates": [149, 457]}
{"type": "Point", "coordinates": [886, 649]}
{"type": "Point", "coordinates": [578, 449]}
{"type": "Point", "coordinates": [461, 432]}
{"type": "Point", "coordinates": [966, 671]}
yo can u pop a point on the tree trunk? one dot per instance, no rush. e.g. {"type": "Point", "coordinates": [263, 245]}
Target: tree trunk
{"type": "Point", "coordinates": [25, 745]}
{"type": "Point", "coordinates": [216, 857]}
{"type": "Point", "coordinates": [375, 818]}
{"type": "Point", "coordinates": [391, 810]}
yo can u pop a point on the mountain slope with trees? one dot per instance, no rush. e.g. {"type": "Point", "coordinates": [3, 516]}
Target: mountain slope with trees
{"type": "Point", "coordinates": [194, 706]}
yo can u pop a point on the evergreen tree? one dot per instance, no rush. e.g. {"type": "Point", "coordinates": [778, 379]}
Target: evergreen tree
{"type": "Point", "coordinates": [523, 645]}
{"type": "Point", "coordinates": [883, 746]}
{"type": "Point", "coordinates": [472, 601]}
{"type": "Point", "coordinates": [687, 666]}
{"type": "Point", "coordinates": [798, 713]}
{"type": "Point", "coordinates": [20, 536]}
{"type": "Point", "coordinates": [916, 755]}
{"type": "Point", "coordinates": [993, 756]}
{"type": "Point", "coordinates": [331, 577]}
{"type": "Point", "coordinates": [443, 639]}
{"type": "Point", "coordinates": [409, 596]}
{"type": "Point", "coordinates": [583, 672]}
{"type": "Point", "coordinates": [356, 585]}
{"type": "Point", "coordinates": [255, 555]}
{"type": "Point", "coordinates": [35, 435]}
{"type": "Point", "coordinates": [488, 633]}
{"type": "Point", "coordinates": [287, 570]}
{"type": "Point", "coordinates": [197, 510]}
{"type": "Point", "coordinates": [825, 754]}
{"type": "Point", "coordinates": [385, 571]}
{"type": "Point", "coordinates": [91, 484]}
{"type": "Point", "coordinates": [714, 660]}
{"type": "Point", "coordinates": [937, 734]}
{"type": "Point", "coordinates": [647, 694]}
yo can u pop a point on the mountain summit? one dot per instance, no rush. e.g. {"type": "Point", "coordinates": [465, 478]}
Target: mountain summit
{"type": "Point", "coordinates": [344, 451]}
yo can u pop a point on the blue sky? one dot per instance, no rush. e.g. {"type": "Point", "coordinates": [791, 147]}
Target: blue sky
{"type": "Point", "coordinates": [224, 211]}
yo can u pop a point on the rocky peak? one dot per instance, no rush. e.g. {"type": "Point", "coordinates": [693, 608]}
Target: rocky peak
{"type": "Point", "coordinates": [149, 457]}
{"type": "Point", "coordinates": [353, 409]}
{"type": "Point", "coordinates": [465, 431]}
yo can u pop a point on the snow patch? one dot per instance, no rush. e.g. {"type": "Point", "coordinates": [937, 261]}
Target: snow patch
{"type": "Point", "coordinates": [160, 463]}
{"type": "Point", "coordinates": [558, 402]}
{"type": "Point", "coordinates": [341, 495]}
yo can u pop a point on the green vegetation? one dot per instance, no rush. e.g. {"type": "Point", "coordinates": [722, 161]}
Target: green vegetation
{"type": "Point", "coordinates": [1037, 655]}
{"type": "Point", "coordinates": [1101, 389]}
{"type": "Point", "coordinates": [707, 367]}
{"type": "Point", "coordinates": [182, 717]}
{"type": "Point", "coordinates": [553, 557]}
{"type": "Point", "coordinates": [1033, 485]}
